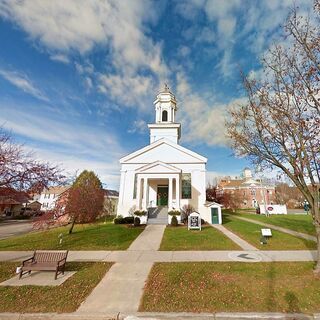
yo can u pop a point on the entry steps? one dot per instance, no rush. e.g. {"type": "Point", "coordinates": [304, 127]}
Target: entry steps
{"type": "Point", "coordinates": [158, 215]}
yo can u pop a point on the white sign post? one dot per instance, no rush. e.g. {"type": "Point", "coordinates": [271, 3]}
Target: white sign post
{"type": "Point", "coordinates": [266, 232]}
{"type": "Point", "coordinates": [194, 221]}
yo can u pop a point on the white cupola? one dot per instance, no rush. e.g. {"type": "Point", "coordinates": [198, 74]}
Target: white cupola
{"type": "Point", "coordinates": [165, 126]}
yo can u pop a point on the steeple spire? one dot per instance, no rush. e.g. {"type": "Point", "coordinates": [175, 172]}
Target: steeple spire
{"type": "Point", "coordinates": [165, 109]}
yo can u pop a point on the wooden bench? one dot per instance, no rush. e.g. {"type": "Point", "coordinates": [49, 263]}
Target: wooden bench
{"type": "Point", "coordinates": [45, 261]}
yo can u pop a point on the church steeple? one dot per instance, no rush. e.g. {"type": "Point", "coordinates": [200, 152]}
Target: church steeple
{"type": "Point", "coordinates": [165, 106]}
{"type": "Point", "coordinates": [165, 109]}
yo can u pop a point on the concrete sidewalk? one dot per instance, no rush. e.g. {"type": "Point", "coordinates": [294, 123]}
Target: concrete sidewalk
{"type": "Point", "coordinates": [285, 230]}
{"type": "Point", "coordinates": [239, 241]}
{"type": "Point", "coordinates": [168, 256]}
{"type": "Point", "coordinates": [149, 239]}
{"type": "Point", "coordinates": [161, 315]}
{"type": "Point", "coordinates": [122, 287]}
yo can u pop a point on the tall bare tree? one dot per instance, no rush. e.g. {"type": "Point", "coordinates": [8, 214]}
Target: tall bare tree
{"type": "Point", "coordinates": [279, 126]}
{"type": "Point", "coordinates": [20, 170]}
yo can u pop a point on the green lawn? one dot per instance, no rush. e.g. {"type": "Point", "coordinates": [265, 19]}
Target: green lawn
{"type": "Point", "coordinates": [64, 298]}
{"type": "Point", "coordinates": [252, 232]}
{"type": "Point", "coordinates": [232, 287]}
{"type": "Point", "coordinates": [297, 222]}
{"type": "Point", "coordinates": [180, 238]}
{"type": "Point", "coordinates": [98, 236]}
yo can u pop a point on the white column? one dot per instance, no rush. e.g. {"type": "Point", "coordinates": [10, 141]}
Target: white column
{"type": "Point", "coordinates": [178, 192]}
{"type": "Point", "coordinates": [170, 194]}
{"type": "Point", "coordinates": [145, 188]}
{"type": "Point", "coordinates": [138, 195]}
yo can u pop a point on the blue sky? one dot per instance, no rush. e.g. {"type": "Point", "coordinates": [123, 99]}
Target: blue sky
{"type": "Point", "coordinates": [78, 78]}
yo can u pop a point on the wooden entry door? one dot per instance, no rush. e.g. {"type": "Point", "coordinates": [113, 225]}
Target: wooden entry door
{"type": "Point", "coordinates": [214, 216]}
{"type": "Point", "coordinates": [162, 196]}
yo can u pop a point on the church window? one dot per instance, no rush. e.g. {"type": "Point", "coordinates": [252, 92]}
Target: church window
{"type": "Point", "coordinates": [135, 187]}
{"type": "Point", "coordinates": [186, 186]}
{"type": "Point", "coordinates": [165, 115]}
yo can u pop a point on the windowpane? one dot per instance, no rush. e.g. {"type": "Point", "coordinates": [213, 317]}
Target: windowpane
{"type": "Point", "coordinates": [186, 186]}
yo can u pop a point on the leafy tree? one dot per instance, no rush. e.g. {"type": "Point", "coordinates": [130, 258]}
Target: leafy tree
{"type": "Point", "coordinates": [279, 126]}
{"type": "Point", "coordinates": [85, 199]}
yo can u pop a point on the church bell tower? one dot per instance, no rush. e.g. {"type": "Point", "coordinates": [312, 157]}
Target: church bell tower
{"type": "Point", "coordinates": [165, 108]}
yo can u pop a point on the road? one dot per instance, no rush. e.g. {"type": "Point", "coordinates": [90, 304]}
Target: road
{"type": "Point", "coordinates": [14, 227]}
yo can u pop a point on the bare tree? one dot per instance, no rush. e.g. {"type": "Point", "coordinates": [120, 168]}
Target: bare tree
{"type": "Point", "coordinates": [19, 170]}
{"type": "Point", "coordinates": [279, 126]}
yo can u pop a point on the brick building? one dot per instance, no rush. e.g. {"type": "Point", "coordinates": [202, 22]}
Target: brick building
{"type": "Point", "coordinates": [251, 191]}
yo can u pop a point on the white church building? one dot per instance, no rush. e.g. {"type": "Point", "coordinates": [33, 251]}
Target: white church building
{"type": "Point", "coordinates": [163, 175]}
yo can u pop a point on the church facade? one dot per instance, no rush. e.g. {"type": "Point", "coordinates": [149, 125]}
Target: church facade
{"type": "Point", "coordinates": [164, 174]}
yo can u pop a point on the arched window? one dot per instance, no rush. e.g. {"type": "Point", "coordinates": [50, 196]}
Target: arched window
{"type": "Point", "coordinates": [164, 115]}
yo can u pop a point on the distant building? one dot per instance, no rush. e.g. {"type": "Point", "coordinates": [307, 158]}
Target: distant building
{"type": "Point", "coordinates": [250, 190]}
{"type": "Point", "coordinates": [49, 197]}
{"type": "Point", "coordinates": [12, 202]}
{"type": "Point", "coordinates": [111, 198]}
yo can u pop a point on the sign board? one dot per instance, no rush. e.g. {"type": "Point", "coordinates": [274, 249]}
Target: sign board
{"type": "Point", "coordinates": [273, 209]}
{"type": "Point", "coordinates": [266, 232]}
{"type": "Point", "coordinates": [194, 221]}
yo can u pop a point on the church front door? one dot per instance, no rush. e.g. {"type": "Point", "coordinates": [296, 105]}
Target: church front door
{"type": "Point", "coordinates": [162, 196]}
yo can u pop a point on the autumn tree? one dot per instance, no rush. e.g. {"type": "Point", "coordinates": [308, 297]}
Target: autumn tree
{"type": "Point", "coordinates": [21, 171]}
{"type": "Point", "coordinates": [85, 199]}
{"type": "Point", "coordinates": [279, 126]}
{"type": "Point", "coordinates": [230, 199]}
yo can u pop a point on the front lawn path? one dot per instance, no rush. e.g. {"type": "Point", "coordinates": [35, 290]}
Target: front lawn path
{"type": "Point", "coordinates": [298, 222]}
{"type": "Point", "coordinates": [281, 229]}
{"type": "Point", "coordinates": [251, 233]}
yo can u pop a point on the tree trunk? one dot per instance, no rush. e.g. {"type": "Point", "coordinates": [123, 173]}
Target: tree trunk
{"type": "Point", "coordinates": [72, 225]}
{"type": "Point", "coordinates": [317, 268]}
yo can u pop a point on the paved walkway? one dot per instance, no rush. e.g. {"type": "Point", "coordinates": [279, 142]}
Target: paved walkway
{"type": "Point", "coordinates": [239, 241]}
{"type": "Point", "coordinates": [159, 316]}
{"type": "Point", "coordinates": [285, 230]}
{"type": "Point", "coordinates": [122, 287]}
{"type": "Point", "coordinates": [168, 256]}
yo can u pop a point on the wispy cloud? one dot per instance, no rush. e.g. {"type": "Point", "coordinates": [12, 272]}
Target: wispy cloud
{"type": "Point", "coordinates": [21, 81]}
{"type": "Point", "coordinates": [203, 121]}
{"type": "Point", "coordinates": [139, 126]}
{"type": "Point", "coordinates": [65, 27]}
{"type": "Point", "coordinates": [75, 146]}
{"type": "Point", "coordinates": [60, 58]}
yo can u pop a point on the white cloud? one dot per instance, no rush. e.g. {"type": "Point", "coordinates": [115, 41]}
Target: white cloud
{"type": "Point", "coordinates": [79, 25]}
{"type": "Point", "coordinates": [78, 139]}
{"type": "Point", "coordinates": [22, 82]}
{"type": "Point", "coordinates": [76, 146]}
{"type": "Point", "coordinates": [202, 121]}
{"type": "Point", "coordinates": [60, 58]}
{"type": "Point", "coordinates": [139, 126]}
{"type": "Point", "coordinates": [109, 173]}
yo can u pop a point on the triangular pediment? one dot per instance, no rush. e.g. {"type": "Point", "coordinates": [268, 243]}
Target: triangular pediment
{"type": "Point", "coordinates": [158, 167]}
{"type": "Point", "coordinates": [164, 151]}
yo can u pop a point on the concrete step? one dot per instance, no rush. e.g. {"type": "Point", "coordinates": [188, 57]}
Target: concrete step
{"type": "Point", "coordinates": [158, 221]}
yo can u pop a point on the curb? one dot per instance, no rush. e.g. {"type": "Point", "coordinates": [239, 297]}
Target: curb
{"type": "Point", "coordinates": [156, 316]}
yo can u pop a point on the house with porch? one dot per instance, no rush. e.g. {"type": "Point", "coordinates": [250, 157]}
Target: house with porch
{"type": "Point", "coordinates": [164, 175]}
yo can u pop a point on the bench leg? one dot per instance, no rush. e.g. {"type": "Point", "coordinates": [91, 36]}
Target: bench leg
{"type": "Point", "coordinates": [55, 276]}
{"type": "Point", "coordinates": [20, 274]}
